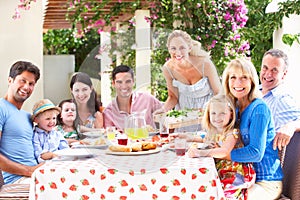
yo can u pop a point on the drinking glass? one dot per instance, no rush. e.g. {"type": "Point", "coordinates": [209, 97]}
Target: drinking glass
{"type": "Point", "coordinates": [163, 130]}
{"type": "Point", "coordinates": [180, 146]}
{"type": "Point", "coordinates": [111, 132]}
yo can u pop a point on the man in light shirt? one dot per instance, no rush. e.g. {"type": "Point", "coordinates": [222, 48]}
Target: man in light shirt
{"type": "Point", "coordinates": [286, 113]}
{"type": "Point", "coordinates": [128, 101]}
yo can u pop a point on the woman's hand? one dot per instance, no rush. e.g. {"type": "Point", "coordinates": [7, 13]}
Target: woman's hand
{"type": "Point", "coordinates": [99, 120]}
{"type": "Point", "coordinates": [159, 111]}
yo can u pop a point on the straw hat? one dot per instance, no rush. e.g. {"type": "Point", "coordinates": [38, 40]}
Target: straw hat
{"type": "Point", "coordinates": [42, 106]}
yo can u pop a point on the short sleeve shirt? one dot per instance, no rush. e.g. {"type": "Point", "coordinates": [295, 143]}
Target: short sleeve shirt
{"type": "Point", "coordinates": [140, 101]}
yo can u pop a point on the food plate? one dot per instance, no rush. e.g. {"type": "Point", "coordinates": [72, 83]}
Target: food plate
{"type": "Point", "coordinates": [79, 153]}
{"type": "Point", "coordinates": [92, 134]}
{"type": "Point", "coordinates": [133, 153]}
{"type": "Point", "coordinates": [78, 146]}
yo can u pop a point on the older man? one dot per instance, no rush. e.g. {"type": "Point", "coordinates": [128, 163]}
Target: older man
{"type": "Point", "coordinates": [285, 112]}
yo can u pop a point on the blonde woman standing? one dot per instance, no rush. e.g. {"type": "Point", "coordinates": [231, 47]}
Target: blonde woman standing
{"type": "Point", "coordinates": [191, 77]}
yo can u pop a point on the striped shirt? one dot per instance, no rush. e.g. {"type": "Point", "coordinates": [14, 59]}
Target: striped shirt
{"type": "Point", "coordinates": [282, 105]}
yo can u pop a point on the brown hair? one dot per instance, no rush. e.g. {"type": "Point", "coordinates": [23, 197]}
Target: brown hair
{"type": "Point", "coordinates": [93, 103]}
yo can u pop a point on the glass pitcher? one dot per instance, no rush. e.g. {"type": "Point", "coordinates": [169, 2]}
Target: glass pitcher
{"type": "Point", "coordinates": [135, 126]}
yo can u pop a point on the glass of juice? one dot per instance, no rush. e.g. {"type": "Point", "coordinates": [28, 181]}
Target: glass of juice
{"type": "Point", "coordinates": [111, 132]}
{"type": "Point", "coordinates": [122, 139]}
{"type": "Point", "coordinates": [180, 146]}
{"type": "Point", "coordinates": [163, 130]}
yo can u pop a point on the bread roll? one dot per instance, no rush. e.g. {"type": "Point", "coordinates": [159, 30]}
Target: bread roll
{"type": "Point", "coordinates": [148, 145]}
{"type": "Point", "coordinates": [136, 147]}
{"type": "Point", "coordinates": [120, 148]}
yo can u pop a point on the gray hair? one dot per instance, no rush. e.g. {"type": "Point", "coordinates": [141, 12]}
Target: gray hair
{"type": "Point", "coordinates": [278, 54]}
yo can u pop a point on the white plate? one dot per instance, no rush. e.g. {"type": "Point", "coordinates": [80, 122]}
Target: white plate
{"type": "Point", "coordinates": [202, 146]}
{"type": "Point", "coordinates": [133, 153]}
{"type": "Point", "coordinates": [73, 153]}
{"type": "Point", "coordinates": [77, 146]}
{"type": "Point", "coordinates": [92, 134]}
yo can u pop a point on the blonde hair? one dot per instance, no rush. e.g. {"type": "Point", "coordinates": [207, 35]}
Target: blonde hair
{"type": "Point", "coordinates": [248, 69]}
{"type": "Point", "coordinates": [196, 47]}
{"type": "Point", "coordinates": [206, 123]}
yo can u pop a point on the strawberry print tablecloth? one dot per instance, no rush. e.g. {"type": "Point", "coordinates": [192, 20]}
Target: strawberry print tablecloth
{"type": "Point", "coordinates": [156, 176]}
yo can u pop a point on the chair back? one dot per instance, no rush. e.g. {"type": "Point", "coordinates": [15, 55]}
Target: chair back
{"type": "Point", "coordinates": [1, 179]}
{"type": "Point", "coordinates": [291, 168]}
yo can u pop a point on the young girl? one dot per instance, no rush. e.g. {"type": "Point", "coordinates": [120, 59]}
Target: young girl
{"type": "Point", "coordinates": [219, 119]}
{"type": "Point", "coordinates": [46, 139]}
{"type": "Point", "coordinates": [66, 121]}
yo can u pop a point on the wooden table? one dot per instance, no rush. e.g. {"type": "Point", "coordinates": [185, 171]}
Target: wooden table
{"type": "Point", "coordinates": [161, 175]}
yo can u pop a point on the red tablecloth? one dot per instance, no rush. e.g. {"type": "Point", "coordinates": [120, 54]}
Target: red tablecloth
{"type": "Point", "coordinates": [157, 176]}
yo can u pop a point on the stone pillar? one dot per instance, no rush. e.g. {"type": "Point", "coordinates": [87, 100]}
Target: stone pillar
{"type": "Point", "coordinates": [105, 43]}
{"type": "Point", "coordinates": [143, 51]}
{"type": "Point", "coordinates": [289, 27]}
{"type": "Point", "coordinates": [21, 39]}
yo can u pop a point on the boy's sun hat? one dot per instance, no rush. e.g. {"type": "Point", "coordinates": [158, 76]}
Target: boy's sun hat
{"type": "Point", "coordinates": [42, 106]}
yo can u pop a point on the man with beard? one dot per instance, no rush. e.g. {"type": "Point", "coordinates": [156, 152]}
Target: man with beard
{"type": "Point", "coordinates": [17, 159]}
{"type": "Point", "coordinates": [127, 101]}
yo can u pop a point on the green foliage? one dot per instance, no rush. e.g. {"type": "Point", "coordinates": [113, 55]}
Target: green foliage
{"type": "Point", "coordinates": [64, 41]}
{"type": "Point", "coordinates": [289, 39]}
{"type": "Point", "coordinates": [260, 26]}
{"type": "Point", "coordinates": [217, 24]}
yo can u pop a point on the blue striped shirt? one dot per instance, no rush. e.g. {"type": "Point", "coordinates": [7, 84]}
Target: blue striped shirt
{"type": "Point", "coordinates": [257, 132]}
{"type": "Point", "coordinates": [283, 106]}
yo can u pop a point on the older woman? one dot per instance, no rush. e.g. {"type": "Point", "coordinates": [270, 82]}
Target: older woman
{"type": "Point", "coordinates": [240, 82]}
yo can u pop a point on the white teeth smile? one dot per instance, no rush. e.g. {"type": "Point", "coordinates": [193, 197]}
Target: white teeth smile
{"type": "Point", "coordinates": [269, 80]}
{"type": "Point", "coordinates": [239, 89]}
{"type": "Point", "coordinates": [22, 92]}
{"type": "Point", "coordinates": [178, 57]}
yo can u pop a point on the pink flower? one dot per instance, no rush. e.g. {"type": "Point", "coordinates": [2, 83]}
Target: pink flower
{"type": "Point", "coordinates": [214, 42]}
{"type": "Point", "coordinates": [100, 22]}
{"type": "Point", "coordinates": [99, 31]}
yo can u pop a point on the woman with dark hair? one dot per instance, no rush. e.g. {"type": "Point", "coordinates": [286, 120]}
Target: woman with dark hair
{"type": "Point", "coordinates": [88, 107]}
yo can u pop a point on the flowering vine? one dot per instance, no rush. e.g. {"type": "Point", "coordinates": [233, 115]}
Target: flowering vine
{"type": "Point", "coordinates": [23, 5]}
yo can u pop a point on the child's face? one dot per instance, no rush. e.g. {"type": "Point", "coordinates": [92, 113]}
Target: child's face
{"type": "Point", "coordinates": [68, 112]}
{"type": "Point", "coordinates": [46, 120]}
{"type": "Point", "coordinates": [220, 115]}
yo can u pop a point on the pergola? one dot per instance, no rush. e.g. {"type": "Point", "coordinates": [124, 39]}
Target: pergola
{"type": "Point", "coordinates": [55, 18]}
{"type": "Point", "coordinates": [55, 14]}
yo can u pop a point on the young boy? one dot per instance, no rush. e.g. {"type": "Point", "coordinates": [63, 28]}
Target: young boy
{"type": "Point", "coordinates": [46, 139]}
